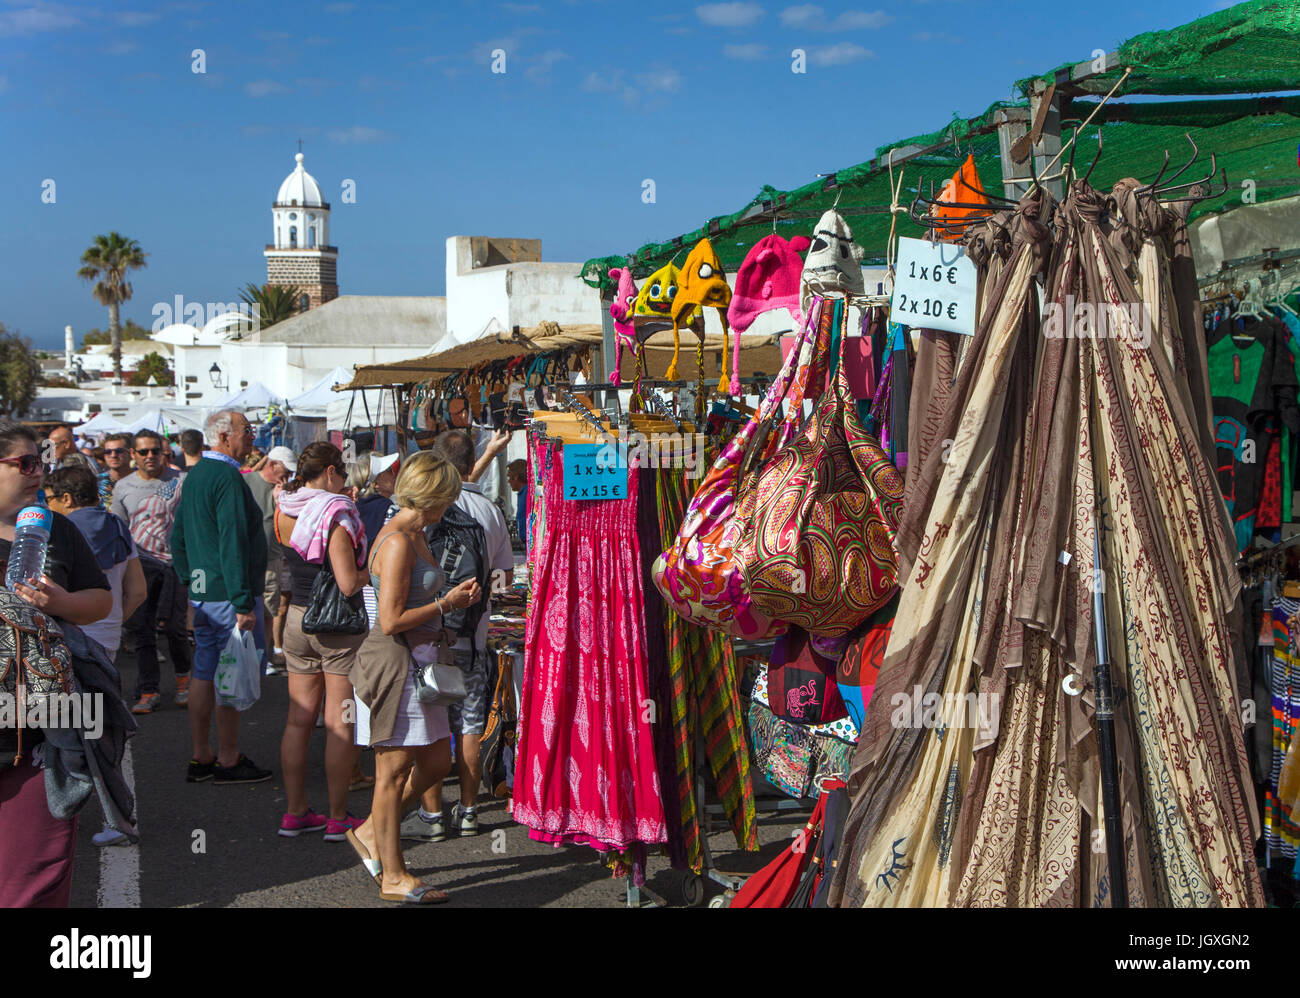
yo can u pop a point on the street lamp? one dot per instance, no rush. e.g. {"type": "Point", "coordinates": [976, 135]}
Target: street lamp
{"type": "Point", "coordinates": [214, 372]}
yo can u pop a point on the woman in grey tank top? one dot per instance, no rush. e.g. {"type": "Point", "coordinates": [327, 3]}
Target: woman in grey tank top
{"type": "Point", "coordinates": [410, 739]}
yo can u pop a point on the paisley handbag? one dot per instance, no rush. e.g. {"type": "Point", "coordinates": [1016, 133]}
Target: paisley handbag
{"type": "Point", "coordinates": [35, 664]}
{"type": "Point", "coordinates": [820, 550]}
{"type": "Point", "coordinates": [700, 575]}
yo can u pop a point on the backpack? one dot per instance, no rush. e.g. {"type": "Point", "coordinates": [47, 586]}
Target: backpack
{"type": "Point", "coordinates": [35, 664]}
{"type": "Point", "coordinates": [497, 744]}
{"type": "Point", "coordinates": [459, 547]}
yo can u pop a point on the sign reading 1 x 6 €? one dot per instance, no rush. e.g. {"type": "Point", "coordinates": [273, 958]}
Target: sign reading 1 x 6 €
{"type": "Point", "coordinates": [934, 286]}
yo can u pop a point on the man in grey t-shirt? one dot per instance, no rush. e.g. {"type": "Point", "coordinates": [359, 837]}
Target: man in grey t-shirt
{"type": "Point", "coordinates": [147, 501]}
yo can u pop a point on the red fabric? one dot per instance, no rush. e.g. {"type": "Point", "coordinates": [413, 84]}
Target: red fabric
{"type": "Point", "coordinates": [36, 849]}
{"type": "Point", "coordinates": [1269, 516]}
{"type": "Point", "coordinates": [586, 765]}
{"type": "Point", "coordinates": [772, 886]}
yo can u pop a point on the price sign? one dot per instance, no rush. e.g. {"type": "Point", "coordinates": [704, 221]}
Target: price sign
{"type": "Point", "coordinates": [595, 471]}
{"type": "Point", "coordinates": [934, 287]}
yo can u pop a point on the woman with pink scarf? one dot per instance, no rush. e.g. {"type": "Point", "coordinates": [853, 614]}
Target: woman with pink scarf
{"type": "Point", "coordinates": [314, 520]}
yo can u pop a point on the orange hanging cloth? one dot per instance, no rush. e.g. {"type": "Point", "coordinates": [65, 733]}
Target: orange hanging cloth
{"type": "Point", "coordinates": [956, 189]}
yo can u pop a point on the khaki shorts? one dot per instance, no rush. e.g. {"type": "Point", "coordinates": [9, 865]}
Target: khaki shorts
{"type": "Point", "coordinates": [312, 654]}
{"type": "Point", "coordinates": [271, 590]}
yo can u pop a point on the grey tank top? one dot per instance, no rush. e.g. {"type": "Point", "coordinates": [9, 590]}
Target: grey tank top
{"type": "Point", "coordinates": [427, 580]}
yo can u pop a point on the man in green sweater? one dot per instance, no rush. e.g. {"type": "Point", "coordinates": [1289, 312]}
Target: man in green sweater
{"type": "Point", "coordinates": [219, 551]}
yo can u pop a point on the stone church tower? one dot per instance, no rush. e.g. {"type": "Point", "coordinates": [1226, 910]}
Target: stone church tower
{"type": "Point", "coordinates": [301, 254]}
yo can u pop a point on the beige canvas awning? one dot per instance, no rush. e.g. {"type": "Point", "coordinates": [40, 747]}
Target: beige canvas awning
{"type": "Point", "coordinates": [758, 354]}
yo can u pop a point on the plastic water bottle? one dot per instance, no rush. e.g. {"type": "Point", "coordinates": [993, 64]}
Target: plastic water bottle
{"type": "Point", "coordinates": [31, 538]}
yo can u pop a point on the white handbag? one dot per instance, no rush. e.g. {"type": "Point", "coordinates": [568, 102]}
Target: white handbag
{"type": "Point", "coordinates": [437, 683]}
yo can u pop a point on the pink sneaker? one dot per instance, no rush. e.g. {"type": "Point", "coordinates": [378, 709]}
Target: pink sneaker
{"type": "Point", "coordinates": [337, 831]}
{"type": "Point", "coordinates": [292, 825]}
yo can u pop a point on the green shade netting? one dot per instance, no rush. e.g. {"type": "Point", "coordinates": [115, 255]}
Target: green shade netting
{"type": "Point", "coordinates": [1250, 48]}
{"type": "Point", "coordinates": [1246, 49]}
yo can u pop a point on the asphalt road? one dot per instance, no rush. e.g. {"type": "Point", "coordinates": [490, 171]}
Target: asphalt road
{"type": "Point", "coordinates": [244, 863]}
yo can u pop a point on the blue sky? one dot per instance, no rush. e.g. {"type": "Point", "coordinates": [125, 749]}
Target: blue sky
{"type": "Point", "coordinates": [596, 97]}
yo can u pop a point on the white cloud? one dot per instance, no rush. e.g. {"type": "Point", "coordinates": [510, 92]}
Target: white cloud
{"type": "Point", "coordinates": [264, 88]}
{"type": "Point", "coordinates": [541, 65]}
{"type": "Point", "coordinates": [602, 83]}
{"type": "Point", "coordinates": [838, 55]}
{"type": "Point", "coordinates": [729, 15]}
{"type": "Point", "coordinates": [272, 36]}
{"type": "Point", "coordinates": [747, 53]}
{"type": "Point", "coordinates": [666, 80]}
{"type": "Point", "coordinates": [810, 17]}
{"type": "Point", "coordinates": [36, 18]}
{"type": "Point", "coordinates": [135, 18]}
{"type": "Point", "coordinates": [121, 48]}
{"type": "Point", "coordinates": [356, 134]}
{"type": "Point", "coordinates": [935, 36]}
{"type": "Point", "coordinates": [860, 20]}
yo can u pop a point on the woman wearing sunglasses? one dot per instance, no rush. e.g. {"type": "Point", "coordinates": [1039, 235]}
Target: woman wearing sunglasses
{"type": "Point", "coordinates": [36, 848]}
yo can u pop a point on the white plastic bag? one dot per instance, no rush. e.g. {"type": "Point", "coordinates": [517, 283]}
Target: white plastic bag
{"type": "Point", "coordinates": [238, 680]}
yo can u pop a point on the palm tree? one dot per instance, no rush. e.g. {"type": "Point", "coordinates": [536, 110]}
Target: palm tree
{"type": "Point", "coordinates": [109, 261]}
{"type": "Point", "coordinates": [273, 301]}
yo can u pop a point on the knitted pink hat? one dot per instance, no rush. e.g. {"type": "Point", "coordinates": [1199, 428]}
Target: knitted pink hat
{"type": "Point", "coordinates": [768, 279]}
{"type": "Point", "coordinates": [621, 310]}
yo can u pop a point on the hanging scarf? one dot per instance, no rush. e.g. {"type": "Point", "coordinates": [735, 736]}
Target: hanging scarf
{"type": "Point", "coordinates": [316, 512]}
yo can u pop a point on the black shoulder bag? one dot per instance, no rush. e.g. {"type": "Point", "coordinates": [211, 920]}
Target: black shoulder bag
{"type": "Point", "coordinates": [329, 611]}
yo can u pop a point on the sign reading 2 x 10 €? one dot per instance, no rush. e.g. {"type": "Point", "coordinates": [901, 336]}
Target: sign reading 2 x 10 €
{"type": "Point", "coordinates": [934, 287]}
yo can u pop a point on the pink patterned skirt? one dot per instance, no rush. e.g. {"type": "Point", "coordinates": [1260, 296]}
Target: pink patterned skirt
{"type": "Point", "coordinates": [585, 769]}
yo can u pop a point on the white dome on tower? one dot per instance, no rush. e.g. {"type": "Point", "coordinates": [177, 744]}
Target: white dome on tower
{"type": "Point", "coordinates": [300, 187]}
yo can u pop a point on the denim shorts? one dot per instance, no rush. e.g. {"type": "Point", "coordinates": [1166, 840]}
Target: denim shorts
{"type": "Point", "coordinates": [213, 624]}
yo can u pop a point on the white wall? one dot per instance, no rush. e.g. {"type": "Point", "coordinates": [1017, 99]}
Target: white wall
{"type": "Point", "coordinates": [512, 294]}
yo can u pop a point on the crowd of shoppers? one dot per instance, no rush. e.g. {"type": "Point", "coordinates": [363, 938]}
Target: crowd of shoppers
{"type": "Point", "coordinates": [197, 542]}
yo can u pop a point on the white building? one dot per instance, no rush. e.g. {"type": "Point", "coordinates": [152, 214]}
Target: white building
{"type": "Point", "coordinates": [301, 255]}
{"type": "Point", "coordinates": [493, 284]}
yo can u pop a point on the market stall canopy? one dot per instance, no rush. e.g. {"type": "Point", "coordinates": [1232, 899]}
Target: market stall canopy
{"type": "Point", "coordinates": [758, 354]}
{"type": "Point", "coordinates": [1247, 49]}
{"type": "Point", "coordinates": [365, 408]}
{"type": "Point", "coordinates": [162, 419]}
{"type": "Point", "coordinates": [539, 339]}
{"type": "Point", "coordinates": [255, 396]}
{"type": "Point", "coordinates": [313, 402]}
{"type": "Point", "coordinates": [101, 422]}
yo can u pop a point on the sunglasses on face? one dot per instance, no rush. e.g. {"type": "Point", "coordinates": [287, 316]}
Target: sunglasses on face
{"type": "Point", "coordinates": [114, 451]}
{"type": "Point", "coordinates": [28, 464]}
{"type": "Point", "coordinates": [144, 451]}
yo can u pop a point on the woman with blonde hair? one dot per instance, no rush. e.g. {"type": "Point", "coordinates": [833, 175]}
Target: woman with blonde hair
{"type": "Point", "coordinates": [411, 739]}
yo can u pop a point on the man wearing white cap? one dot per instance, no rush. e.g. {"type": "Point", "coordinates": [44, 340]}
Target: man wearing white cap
{"type": "Point", "coordinates": [374, 498]}
{"type": "Point", "coordinates": [280, 463]}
